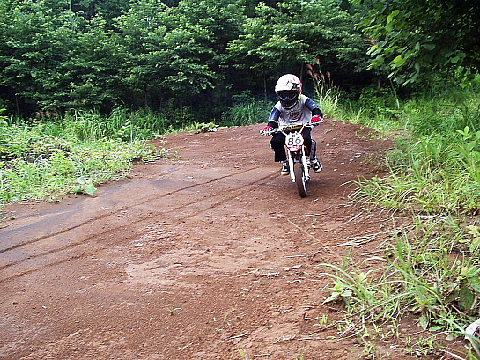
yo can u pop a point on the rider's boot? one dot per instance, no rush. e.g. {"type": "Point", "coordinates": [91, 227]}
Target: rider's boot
{"type": "Point", "coordinates": [285, 168]}
{"type": "Point", "coordinates": [316, 165]}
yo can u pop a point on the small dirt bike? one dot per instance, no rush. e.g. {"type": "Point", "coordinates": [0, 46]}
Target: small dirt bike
{"type": "Point", "coordinates": [295, 150]}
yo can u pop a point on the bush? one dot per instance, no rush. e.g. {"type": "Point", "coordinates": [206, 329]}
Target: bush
{"type": "Point", "coordinates": [247, 112]}
{"type": "Point", "coordinates": [73, 154]}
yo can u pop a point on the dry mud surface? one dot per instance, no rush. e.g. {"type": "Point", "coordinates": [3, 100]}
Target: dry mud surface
{"type": "Point", "coordinates": [203, 255]}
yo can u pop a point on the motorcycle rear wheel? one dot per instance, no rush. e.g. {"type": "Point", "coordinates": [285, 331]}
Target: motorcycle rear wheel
{"type": "Point", "coordinates": [300, 179]}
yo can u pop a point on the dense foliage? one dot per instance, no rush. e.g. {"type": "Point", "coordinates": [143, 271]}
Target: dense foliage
{"type": "Point", "coordinates": [419, 38]}
{"type": "Point", "coordinates": [59, 55]}
{"type": "Point", "coordinates": [101, 54]}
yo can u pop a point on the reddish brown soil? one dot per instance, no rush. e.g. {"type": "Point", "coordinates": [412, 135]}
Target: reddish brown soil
{"type": "Point", "coordinates": [204, 255]}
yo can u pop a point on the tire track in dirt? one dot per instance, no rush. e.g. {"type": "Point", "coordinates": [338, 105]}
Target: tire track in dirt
{"type": "Point", "coordinates": [105, 216]}
{"type": "Point", "coordinates": [222, 264]}
{"type": "Point", "coordinates": [109, 237]}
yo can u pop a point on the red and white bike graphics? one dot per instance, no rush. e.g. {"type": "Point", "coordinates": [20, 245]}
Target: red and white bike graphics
{"type": "Point", "coordinates": [299, 163]}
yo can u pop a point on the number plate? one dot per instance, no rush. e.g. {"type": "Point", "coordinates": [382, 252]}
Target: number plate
{"type": "Point", "coordinates": [294, 139]}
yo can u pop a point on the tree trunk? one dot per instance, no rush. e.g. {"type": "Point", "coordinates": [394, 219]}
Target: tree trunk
{"type": "Point", "coordinates": [17, 104]}
{"type": "Point", "coordinates": [145, 96]}
{"type": "Point", "coordinates": [265, 87]}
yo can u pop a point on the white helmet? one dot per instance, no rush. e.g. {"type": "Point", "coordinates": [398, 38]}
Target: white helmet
{"type": "Point", "coordinates": [288, 89]}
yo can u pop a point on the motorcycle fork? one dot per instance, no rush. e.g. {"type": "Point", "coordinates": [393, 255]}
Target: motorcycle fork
{"type": "Point", "coordinates": [303, 162]}
{"type": "Point", "coordinates": [305, 165]}
{"type": "Point", "coordinates": [290, 165]}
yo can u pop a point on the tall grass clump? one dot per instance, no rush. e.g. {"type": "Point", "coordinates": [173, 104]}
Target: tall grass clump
{"type": "Point", "coordinates": [436, 166]}
{"type": "Point", "coordinates": [327, 94]}
{"type": "Point", "coordinates": [247, 111]}
{"type": "Point", "coordinates": [74, 153]}
{"type": "Point", "coordinates": [122, 124]}
{"type": "Point", "coordinates": [431, 273]}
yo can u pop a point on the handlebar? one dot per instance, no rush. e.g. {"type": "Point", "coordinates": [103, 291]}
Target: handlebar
{"type": "Point", "coordinates": [289, 128]}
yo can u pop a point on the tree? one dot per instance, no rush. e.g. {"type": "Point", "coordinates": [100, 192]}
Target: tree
{"type": "Point", "coordinates": [223, 20]}
{"type": "Point", "coordinates": [35, 40]}
{"type": "Point", "coordinates": [59, 54]}
{"type": "Point", "coordinates": [285, 37]}
{"type": "Point", "coordinates": [93, 68]}
{"type": "Point", "coordinates": [165, 53]}
{"type": "Point", "coordinates": [107, 9]}
{"type": "Point", "coordinates": [417, 38]}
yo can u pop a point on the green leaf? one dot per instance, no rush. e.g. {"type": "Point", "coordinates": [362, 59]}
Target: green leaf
{"type": "Point", "coordinates": [334, 297]}
{"type": "Point", "coordinates": [474, 282]}
{"type": "Point", "coordinates": [456, 59]}
{"type": "Point", "coordinates": [392, 16]}
{"type": "Point", "coordinates": [399, 61]}
{"type": "Point", "coordinates": [423, 322]}
{"type": "Point", "coordinates": [85, 186]}
{"type": "Point", "coordinates": [90, 189]}
{"type": "Point", "coordinates": [466, 298]}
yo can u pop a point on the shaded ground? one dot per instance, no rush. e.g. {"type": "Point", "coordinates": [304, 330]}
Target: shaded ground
{"type": "Point", "coordinates": [200, 256]}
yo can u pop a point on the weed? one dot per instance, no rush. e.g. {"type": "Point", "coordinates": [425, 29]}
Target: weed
{"type": "Point", "coordinates": [172, 310]}
{"type": "Point", "coordinates": [324, 321]}
{"type": "Point", "coordinates": [244, 354]}
{"type": "Point", "coordinates": [85, 186]}
{"type": "Point", "coordinates": [247, 113]}
{"type": "Point", "coordinates": [75, 154]}
{"type": "Point", "coordinates": [431, 271]}
{"type": "Point", "coordinates": [327, 93]}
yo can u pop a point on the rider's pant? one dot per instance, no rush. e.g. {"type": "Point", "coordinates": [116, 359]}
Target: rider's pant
{"type": "Point", "coordinates": [278, 144]}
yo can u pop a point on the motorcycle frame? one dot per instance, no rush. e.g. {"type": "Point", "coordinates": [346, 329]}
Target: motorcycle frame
{"type": "Point", "coordinates": [294, 156]}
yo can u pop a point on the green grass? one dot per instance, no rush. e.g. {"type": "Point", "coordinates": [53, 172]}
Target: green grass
{"type": "Point", "coordinates": [436, 165]}
{"type": "Point", "coordinates": [431, 173]}
{"type": "Point", "coordinates": [431, 270]}
{"type": "Point", "coordinates": [247, 112]}
{"type": "Point", "coordinates": [43, 159]}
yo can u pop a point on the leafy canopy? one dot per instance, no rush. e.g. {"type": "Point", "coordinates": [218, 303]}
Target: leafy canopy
{"type": "Point", "coordinates": [414, 39]}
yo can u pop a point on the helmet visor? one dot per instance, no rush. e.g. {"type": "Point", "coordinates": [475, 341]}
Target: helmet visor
{"type": "Point", "coordinates": [287, 98]}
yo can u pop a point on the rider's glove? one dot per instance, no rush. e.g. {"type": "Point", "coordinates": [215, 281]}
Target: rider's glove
{"type": "Point", "coordinates": [317, 119]}
{"type": "Point", "coordinates": [267, 129]}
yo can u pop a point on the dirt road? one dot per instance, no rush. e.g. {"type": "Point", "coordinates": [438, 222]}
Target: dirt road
{"type": "Point", "coordinates": [209, 254]}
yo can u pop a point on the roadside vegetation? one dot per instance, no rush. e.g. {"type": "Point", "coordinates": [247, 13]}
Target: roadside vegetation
{"type": "Point", "coordinates": [436, 167]}
{"type": "Point", "coordinates": [429, 271]}
{"type": "Point", "coordinates": [51, 155]}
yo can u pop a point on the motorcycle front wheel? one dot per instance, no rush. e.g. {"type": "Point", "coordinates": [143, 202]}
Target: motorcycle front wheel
{"type": "Point", "coordinates": [300, 179]}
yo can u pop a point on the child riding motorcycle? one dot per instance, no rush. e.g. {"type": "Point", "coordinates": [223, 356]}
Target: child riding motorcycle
{"type": "Point", "coordinates": [293, 108]}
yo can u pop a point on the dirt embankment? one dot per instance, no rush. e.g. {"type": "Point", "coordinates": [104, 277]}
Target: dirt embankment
{"type": "Point", "coordinates": [204, 255]}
